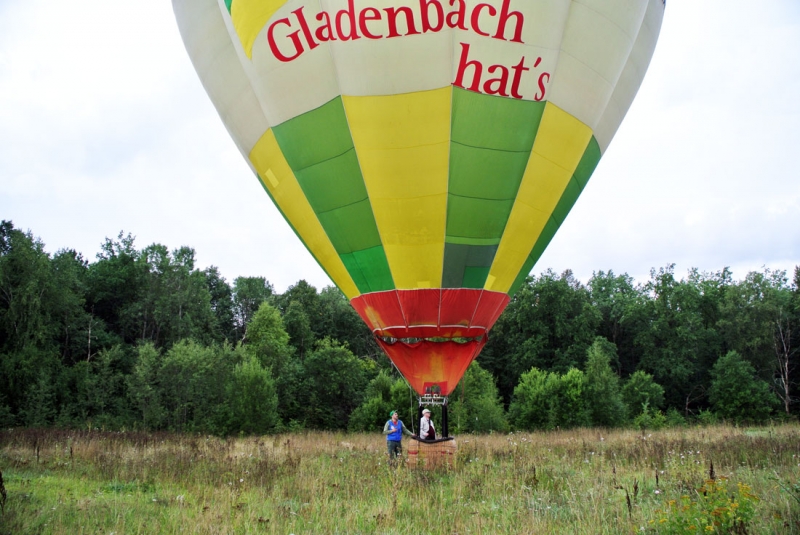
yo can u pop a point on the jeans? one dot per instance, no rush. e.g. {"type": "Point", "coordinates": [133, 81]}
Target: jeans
{"type": "Point", "coordinates": [394, 447]}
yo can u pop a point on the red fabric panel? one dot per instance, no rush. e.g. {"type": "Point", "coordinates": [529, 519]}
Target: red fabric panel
{"type": "Point", "coordinates": [420, 307]}
{"type": "Point", "coordinates": [379, 310]}
{"type": "Point", "coordinates": [489, 309]}
{"type": "Point", "coordinates": [458, 306]}
{"type": "Point", "coordinates": [425, 364]}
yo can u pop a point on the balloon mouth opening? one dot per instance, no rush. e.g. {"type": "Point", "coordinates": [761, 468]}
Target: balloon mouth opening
{"type": "Point", "coordinates": [461, 340]}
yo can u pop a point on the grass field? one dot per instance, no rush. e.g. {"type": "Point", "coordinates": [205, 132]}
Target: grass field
{"type": "Point", "coordinates": [582, 481]}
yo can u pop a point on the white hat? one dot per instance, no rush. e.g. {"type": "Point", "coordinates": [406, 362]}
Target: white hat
{"type": "Point", "coordinates": [425, 410]}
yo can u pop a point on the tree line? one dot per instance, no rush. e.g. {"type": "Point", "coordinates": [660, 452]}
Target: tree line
{"type": "Point", "coordinates": [140, 338]}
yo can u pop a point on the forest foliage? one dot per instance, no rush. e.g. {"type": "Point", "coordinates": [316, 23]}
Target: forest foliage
{"type": "Point", "coordinates": [141, 338]}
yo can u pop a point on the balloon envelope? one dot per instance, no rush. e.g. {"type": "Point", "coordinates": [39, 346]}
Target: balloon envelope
{"type": "Point", "coordinates": [424, 151]}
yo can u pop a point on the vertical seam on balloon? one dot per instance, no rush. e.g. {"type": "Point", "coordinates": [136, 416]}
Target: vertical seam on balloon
{"type": "Point", "coordinates": [439, 311]}
{"type": "Point", "coordinates": [400, 304]}
{"type": "Point", "coordinates": [475, 310]}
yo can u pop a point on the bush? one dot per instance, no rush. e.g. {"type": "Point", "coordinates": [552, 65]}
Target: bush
{"type": "Point", "coordinates": [530, 405]}
{"type": "Point", "coordinates": [639, 389]}
{"type": "Point", "coordinates": [650, 419]}
{"type": "Point", "coordinates": [707, 417]}
{"type": "Point", "coordinates": [548, 401]}
{"type": "Point", "coordinates": [481, 410]}
{"type": "Point", "coordinates": [568, 401]}
{"type": "Point", "coordinates": [675, 418]}
{"type": "Point", "coordinates": [383, 394]}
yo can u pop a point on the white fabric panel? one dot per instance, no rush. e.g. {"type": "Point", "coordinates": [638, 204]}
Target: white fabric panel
{"type": "Point", "coordinates": [212, 53]}
{"type": "Point", "coordinates": [626, 14]}
{"type": "Point", "coordinates": [289, 89]}
{"type": "Point", "coordinates": [544, 22]}
{"type": "Point", "coordinates": [594, 52]}
{"type": "Point", "coordinates": [418, 63]}
{"type": "Point", "coordinates": [632, 76]}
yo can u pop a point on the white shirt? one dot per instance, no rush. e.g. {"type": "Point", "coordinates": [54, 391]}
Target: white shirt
{"type": "Point", "coordinates": [425, 425]}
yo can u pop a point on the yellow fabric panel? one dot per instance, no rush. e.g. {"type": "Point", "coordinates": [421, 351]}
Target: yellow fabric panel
{"type": "Point", "coordinates": [250, 16]}
{"type": "Point", "coordinates": [557, 151]}
{"type": "Point", "coordinates": [403, 146]}
{"type": "Point", "coordinates": [279, 179]}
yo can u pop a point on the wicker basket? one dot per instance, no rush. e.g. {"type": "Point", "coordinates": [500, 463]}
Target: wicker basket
{"type": "Point", "coordinates": [431, 455]}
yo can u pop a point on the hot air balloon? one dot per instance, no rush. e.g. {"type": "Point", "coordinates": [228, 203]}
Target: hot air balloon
{"type": "Point", "coordinates": [424, 151]}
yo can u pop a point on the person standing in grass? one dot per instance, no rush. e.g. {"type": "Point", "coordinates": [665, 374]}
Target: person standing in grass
{"type": "Point", "coordinates": [394, 431]}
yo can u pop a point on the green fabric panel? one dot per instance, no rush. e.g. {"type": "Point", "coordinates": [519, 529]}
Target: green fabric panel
{"type": "Point", "coordinates": [372, 268]}
{"type": "Point", "coordinates": [477, 218]}
{"type": "Point", "coordinates": [475, 277]}
{"type": "Point", "coordinates": [486, 173]}
{"type": "Point", "coordinates": [326, 186]}
{"type": "Point", "coordinates": [494, 122]}
{"type": "Point", "coordinates": [491, 142]}
{"type": "Point", "coordinates": [467, 266]}
{"type": "Point", "coordinates": [320, 151]}
{"type": "Point", "coordinates": [315, 136]}
{"type": "Point", "coordinates": [351, 228]}
{"type": "Point", "coordinates": [588, 163]}
{"type": "Point", "coordinates": [228, 4]}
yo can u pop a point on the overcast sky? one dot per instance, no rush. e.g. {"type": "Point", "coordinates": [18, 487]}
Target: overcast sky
{"type": "Point", "coordinates": [105, 127]}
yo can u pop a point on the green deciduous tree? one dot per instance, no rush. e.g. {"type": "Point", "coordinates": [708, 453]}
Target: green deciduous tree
{"type": "Point", "coordinates": [221, 302]}
{"type": "Point", "coordinates": [621, 304]}
{"type": "Point", "coordinates": [98, 391]}
{"type": "Point", "coordinates": [334, 383]}
{"type": "Point", "coordinates": [192, 382]}
{"type": "Point", "coordinates": [679, 343]}
{"type": "Point", "coordinates": [549, 324]}
{"type": "Point", "coordinates": [248, 294]}
{"type": "Point", "coordinates": [267, 338]}
{"type": "Point", "coordinates": [602, 385]}
{"type": "Point", "coordinates": [568, 402]}
{"type": "Point", "coordinates": [737, 393]}
{"type": "Point", "coordinates": [298, 327]}
{"type": "Point", "coordinates": [144, 387]}
{"type": "Point", "coordinates": [252, 399]}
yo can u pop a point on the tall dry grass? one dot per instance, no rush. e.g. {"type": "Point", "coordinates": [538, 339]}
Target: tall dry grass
{"type": "Point", "coordinates": [581, 481]}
